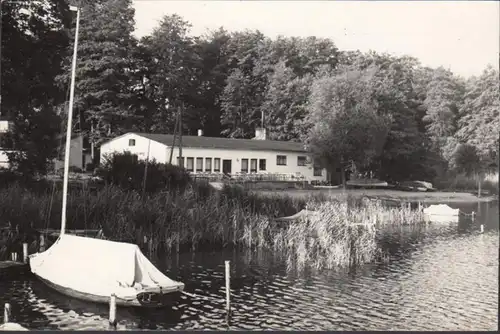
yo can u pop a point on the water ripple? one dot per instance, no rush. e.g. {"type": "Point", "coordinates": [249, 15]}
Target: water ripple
{"type": "Point", "coordinates": [439, 278]}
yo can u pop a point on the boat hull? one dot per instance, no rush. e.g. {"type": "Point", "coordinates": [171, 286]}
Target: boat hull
{"type": "Point", "coordinates": [147, 299]}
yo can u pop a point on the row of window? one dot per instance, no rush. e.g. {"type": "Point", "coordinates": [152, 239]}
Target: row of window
{"type": "Point", "coordinates": [253, 165]}
{"type": "Point", "coordinates": [199, 164]}
{"type": "Point", "coordinates": [247, 165]}
{"type": "Point", "coordinates": [280, 160]}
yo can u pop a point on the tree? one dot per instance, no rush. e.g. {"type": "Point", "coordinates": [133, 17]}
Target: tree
{"type": "Point", "coordinates": [174, 72]}
{"type": "Point", "coordinates": [399, 92]}
{"type": "Point", "coordinates": [480, 114]}
{"type": "Point", "coordinates": [242, 96]}
{"type": "Point", "coordinates": [444, 94]}
{"type": "Point", "coordinates": [214, 53]}
{"type": "Point", "coordinates": [33, 45]}
{"type": "Point", "coordinates": [103, 87]}
{"type": "Point", "coordinates": [345, 126]}
{"type": "Point", "coordinates": [34, 141]}
{"type": "Point", "coordinates": [466, 159]}
{"type": "Point", "coordinates": [284, 105]}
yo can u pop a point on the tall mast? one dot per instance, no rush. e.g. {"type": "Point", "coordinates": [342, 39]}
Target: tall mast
{"type": "Point", "coordinates": [181, 159]}
{"type": "Point", "coordinates": [69, 126]}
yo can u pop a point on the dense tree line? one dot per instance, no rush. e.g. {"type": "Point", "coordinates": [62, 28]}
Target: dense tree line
{"type": "Point", "coordinates": [356, 110]}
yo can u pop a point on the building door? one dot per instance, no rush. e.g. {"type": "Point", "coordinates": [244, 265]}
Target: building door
{"type": "Point", "coordinates": [226, 166]}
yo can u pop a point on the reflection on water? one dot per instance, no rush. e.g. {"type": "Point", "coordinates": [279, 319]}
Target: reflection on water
{"type": "Point", "coordinates": [439, 277]}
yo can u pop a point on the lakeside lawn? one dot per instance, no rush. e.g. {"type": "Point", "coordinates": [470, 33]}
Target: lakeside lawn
{"type": "Point", "coordinates": [389, 194]}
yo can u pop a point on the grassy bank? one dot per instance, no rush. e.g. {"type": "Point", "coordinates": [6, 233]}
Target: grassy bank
{"type": "Point", "coordinates": [395, 195]}
{"type": "Point", "coordinates": [200, 216]}
{"type": "Point", "coordinates": [463, 183]}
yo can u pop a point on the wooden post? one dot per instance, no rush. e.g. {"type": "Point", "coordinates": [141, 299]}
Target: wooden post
{"type": "Point", "coordinates": [13, 256]}
{"type": "Point", "coordinates": [228, 289]}
{"type": "Point", "coordinates": [42, 243]}
{"type": "Point", "coordinates": [25, 252]}
{"type": "Point", "coordinates": [479, 185]}
{"type": "Point", "coordinates": [6, 313]}
{"type": "Point", "coordinates": [112, 310]}
{"type": "Point", "coordinates": [482, 228]}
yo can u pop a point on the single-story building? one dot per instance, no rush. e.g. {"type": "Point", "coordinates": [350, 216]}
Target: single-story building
{"type": "Point", "coordinates": [220, 155]}
{"type": "Point", "coordinates": [79, 154]}
{"type": "Point", "coordinates": [5, 127]}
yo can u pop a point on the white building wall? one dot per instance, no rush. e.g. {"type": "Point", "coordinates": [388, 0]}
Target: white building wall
{"type": "Point", "coordinates": [4, 159]}
{"type": "Point", "coordinates": [161, 153]}
{"type": "Point", "coordinates": [120, 144]}
{"type": "Point", "coordinates": [236, 157]}
{"type": "Point", "coordinates": [75, 160]}
{"type": "Point", "coordinates": [5, 126]}
{"type": "Point", "coordinates": [75, 156]}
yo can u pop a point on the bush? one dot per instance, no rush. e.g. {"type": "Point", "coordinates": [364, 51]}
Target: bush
{"type": "Point", "coordinates": [90, 167]}
{"type": "Point", "coordinates": [74, 169]}
{"type": "Point", "coordinates": [127, 172]}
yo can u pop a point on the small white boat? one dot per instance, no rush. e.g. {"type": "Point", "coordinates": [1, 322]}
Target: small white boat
{"type": "Point", "coordinates": [441, 213]}
{"type": "Point", "coordinates": [93, 269]}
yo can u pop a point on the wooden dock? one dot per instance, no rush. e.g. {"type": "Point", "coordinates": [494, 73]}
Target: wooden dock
{"type": "Point", "coordinates": [11, 264]}
{"type": "Point", "coordinates": [13, 268]}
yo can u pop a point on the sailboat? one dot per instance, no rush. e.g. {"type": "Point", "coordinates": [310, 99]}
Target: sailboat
{"type": "Point", "coordinates": [94, 269]}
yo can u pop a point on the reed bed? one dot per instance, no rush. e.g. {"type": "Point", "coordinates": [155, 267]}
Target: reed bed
{"type": "Point", "coordinates": [337, 233]}
{"type": "Point", "coordinates": [340, 233]}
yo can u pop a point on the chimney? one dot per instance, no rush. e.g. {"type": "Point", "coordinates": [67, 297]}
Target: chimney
{"type": "Point", "coordinates": [200, 132]}
{"type": "Point", "coordinates": [260, 134]}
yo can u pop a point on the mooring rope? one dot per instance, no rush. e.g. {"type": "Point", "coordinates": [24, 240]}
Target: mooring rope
{"type": "Point", "coordinates": [467, 214]}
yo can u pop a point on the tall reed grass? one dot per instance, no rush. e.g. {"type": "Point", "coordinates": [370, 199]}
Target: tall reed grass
{"type": "Point", "coordinates": [340, 233]}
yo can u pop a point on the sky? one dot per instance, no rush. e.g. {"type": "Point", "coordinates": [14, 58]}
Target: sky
{"type": "Point", "coordinates": [462, 36]}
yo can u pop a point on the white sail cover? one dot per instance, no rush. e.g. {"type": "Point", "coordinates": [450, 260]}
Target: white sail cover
{"type": "Point", "coordinates": [441, 213]}
{"type": "Point", "coordinates": [441, 210]}
{"type": "Point", "coordinates": [99, 267]}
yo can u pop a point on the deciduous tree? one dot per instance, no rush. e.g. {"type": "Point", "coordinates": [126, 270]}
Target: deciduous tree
{"type": "Point", "coordinates": [345, 126]}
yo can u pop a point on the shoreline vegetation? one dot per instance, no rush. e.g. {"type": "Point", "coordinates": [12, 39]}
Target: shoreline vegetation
{"type": "Point", "coordinates": [342, 233]}
{"type": "Point", "coordinates": [389, 195]}
{"type": "Point", "coordinates": [170, 212]}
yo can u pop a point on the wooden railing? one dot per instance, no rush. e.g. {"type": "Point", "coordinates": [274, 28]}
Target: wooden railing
{"type": "Point", "coordinates": [247, 177]}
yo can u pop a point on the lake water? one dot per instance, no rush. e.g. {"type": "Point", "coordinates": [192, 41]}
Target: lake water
{"type": "Point", "coordinates": [438, 277]}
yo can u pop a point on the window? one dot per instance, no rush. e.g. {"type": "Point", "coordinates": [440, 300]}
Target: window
{"type": "Point", "coordinates": [318, 171]}
{"type": "Point", "coordinates": [180, 161]}
{"type": "Point", "coordinates": [301, 161]}
{"type": "Point", "coordinates": [281, 160]}
{"type": "Point", "coordinates": [131, 142]}
{"type": "Point", "coordinates": [216, 164]}
{"type": "Point", "coordinates": [190, 164]}
{"type": "Point", "coordinates": [253, 166]}
{"type": "Point", "coordinates": [208, 164]}
{"type": "Point", "coordinates": [244, 165]}
{"type": "Point", "coordinates": [262, 164]}
{"type": "Point", "coordinates": [199, 164]}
